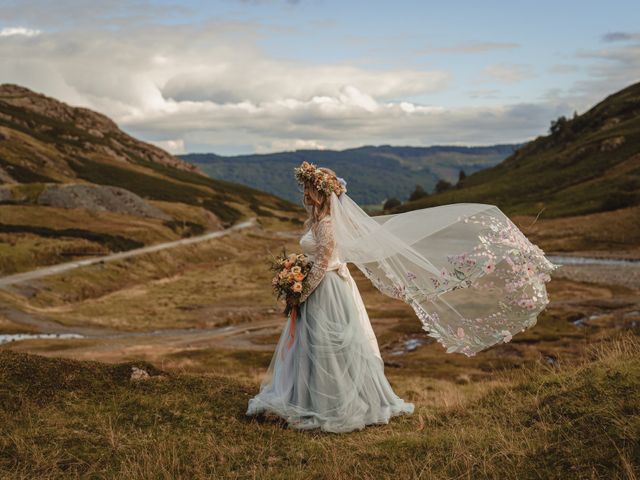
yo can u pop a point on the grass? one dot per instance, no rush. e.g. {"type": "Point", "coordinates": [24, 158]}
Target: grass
{"type": "Point", "coordinates": [68, 419]}
{"type": "Point", "coordinates": [598, 232]}
{"type": "Point", "coordinates": [115, 243]}
{"type": "Point", "coordinates": [209, 284]}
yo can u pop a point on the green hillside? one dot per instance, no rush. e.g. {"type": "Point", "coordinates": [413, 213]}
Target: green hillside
{"type": "Point", "coordinates": [73, 184]}
{"type": "Point", "coordinates": [589, 163]}
{"type": "Point", "coordinates": [373, 173]}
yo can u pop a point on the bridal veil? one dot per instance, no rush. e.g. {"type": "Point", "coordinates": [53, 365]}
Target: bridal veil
{"type": "Point", "coordinates": [470, 274]}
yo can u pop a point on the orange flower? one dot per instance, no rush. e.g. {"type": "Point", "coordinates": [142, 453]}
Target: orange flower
{"type": "Point", "coordinates": [297, 287]}
{"type": "Point", "coordinates": [298, 277]}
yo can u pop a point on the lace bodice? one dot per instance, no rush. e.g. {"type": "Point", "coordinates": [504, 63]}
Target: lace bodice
{"type": "Point", "coordinates": [319, 245]}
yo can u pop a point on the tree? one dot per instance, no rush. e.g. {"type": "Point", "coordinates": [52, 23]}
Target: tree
{"type": "Point", "coordinates": [392, 203]}
{"type": "Point", "coordinates": [442, 186]}
{"type": "Point", "coordinates": [461, 176]}
{"type": "Point", "coordinates": [558, 125]}
{"type": "Point", "coordinates": [418, 193]}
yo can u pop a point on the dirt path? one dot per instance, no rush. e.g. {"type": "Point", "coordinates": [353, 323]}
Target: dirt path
{"type": "Point", "coordinates": [64, 267]}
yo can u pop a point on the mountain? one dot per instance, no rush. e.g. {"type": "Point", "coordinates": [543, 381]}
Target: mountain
{"type": "Point", "coordinates": [587, 164]}
{"type": "Point", "coordinates": [73, 184]}
{"type": "Point", "coordinates": [373, 173]}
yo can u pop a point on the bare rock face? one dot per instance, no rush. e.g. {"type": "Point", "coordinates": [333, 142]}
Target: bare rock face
{"type": "Point", "coordinates": [99, 198]}
{"type": "Point", "coordinates": [611, 144]}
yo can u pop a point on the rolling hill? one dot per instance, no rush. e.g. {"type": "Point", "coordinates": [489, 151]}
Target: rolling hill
{"type": "Point", "coordinates": [374, 173]}
{"type": "Point", "coordinates": [73, 184]}
{"type": "Point", "coordinates": [587, 164]}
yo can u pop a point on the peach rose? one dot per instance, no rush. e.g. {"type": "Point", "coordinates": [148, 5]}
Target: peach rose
{"type": "Point", "coordinates": [298, 277]}
{"type": "Point", "coordinates": [297, 287]}
{"type": "Point", "coordinates": [288, 263]}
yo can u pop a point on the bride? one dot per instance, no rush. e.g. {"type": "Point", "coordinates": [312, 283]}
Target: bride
{"type": "Point", "coordinates": [470, 275]}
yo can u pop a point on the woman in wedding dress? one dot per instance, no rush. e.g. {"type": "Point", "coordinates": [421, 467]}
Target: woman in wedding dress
{"type": "Point", "coordinates": [472, 277]}
{"type": "Point", "coordinates": [332, 376]}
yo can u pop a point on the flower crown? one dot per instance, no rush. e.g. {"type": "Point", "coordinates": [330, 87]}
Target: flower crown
{"type": "Point", "coordinates": [323, 181]}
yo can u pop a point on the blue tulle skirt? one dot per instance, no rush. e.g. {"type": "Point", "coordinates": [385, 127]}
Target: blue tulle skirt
{"type": "Point", "coordinates": [330, 378]}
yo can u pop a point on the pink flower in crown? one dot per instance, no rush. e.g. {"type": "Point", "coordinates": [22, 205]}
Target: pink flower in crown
{"type": "Point", "coordinates": [460, 333]}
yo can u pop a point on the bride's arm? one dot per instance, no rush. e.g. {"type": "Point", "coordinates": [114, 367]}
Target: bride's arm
{"type": "Point", "coordinates": [325, 245]}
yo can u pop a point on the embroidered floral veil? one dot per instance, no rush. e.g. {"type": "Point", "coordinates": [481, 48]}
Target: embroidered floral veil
{"type": "Point", "coordinates": [469, 273]}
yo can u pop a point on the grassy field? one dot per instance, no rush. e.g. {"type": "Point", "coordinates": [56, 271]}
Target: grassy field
{"type": "Point", "coordinates": [614, 233]}
{"type": "Point", "coordinates": [69, 419]}
{"type": "Point", "coordinates": [558, 401]}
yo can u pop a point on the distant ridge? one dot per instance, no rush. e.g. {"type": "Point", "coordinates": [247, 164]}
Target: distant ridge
{"type": "Point", "coordinates": [374, 173]}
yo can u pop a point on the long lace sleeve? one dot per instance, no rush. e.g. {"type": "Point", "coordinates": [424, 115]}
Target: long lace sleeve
{"type": "Point", "coordinates": [325, 244]}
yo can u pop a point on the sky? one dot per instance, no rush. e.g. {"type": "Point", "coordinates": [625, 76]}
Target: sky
{"type": "Point", "coordinates": [257, 76]}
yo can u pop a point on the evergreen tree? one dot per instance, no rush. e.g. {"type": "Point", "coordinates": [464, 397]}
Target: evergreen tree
{"type": "Point", "coordinates": [392, 203]}
{"type": "Point", "coordinates": [418, 193]}
{"type": "Point", "coordinates": [442, 186]}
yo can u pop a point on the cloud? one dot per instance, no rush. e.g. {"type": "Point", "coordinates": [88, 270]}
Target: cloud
{"type": "Point", "coordinates": [74, 13]}
{"type": "Point", "coordinates": [176, 147]}
{"type": "Point", "coordinates": [11, 31]}
{"type": "Point", "coordinates": [478, 47]}
{"type": "Point", "coordinates": [507, 73]}
{"type": "Point", "coordinates": [210, 86]}
{"type": "Point", "coordinates": [605, 71]}
{"type": "Point", "coordinates": [563, 68]}
{"type": "Point", "coordinates": [620, 36]}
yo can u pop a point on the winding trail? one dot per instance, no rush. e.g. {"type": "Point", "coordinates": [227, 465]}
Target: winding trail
{"type": "Point", "coordinates": [64, 267]}
{"type": "Point", "coordinates": [47, 328]}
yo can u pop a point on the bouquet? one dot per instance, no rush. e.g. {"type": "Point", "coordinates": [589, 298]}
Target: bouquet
{"type": "Point", "coordinates": [289, 283]}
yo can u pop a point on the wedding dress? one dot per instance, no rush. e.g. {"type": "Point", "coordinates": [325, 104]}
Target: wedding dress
{"type": "Point", "coordinates": [332, 376]}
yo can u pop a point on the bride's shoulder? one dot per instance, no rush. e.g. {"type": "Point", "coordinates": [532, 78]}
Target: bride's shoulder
{"type": "Point", "coordinates": [322, 224]}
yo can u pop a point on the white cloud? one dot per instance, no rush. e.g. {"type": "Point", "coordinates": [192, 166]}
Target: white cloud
{"type": "Point", "coordinates": [21, 31]}
{"type": "Point", "coordinates": [210, 86]}
{"type": "Point", "coordinates": [286, 145]}
{"type": "Point", "coordinates": [176, 147]}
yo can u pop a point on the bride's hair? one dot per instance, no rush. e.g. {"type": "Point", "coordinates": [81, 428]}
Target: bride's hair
{"type": "Point", "coordinates": [319, 203]}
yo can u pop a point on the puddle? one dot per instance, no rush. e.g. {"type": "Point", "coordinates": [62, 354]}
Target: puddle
{"type": "Point", "coordinates": [409, 346]}
{"type": "Point", "coordinates": [566, 260]}
{"type": "Point", "coordinates": [16, 337]}
{"type": "Point", "coordinates": [582, 322]}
